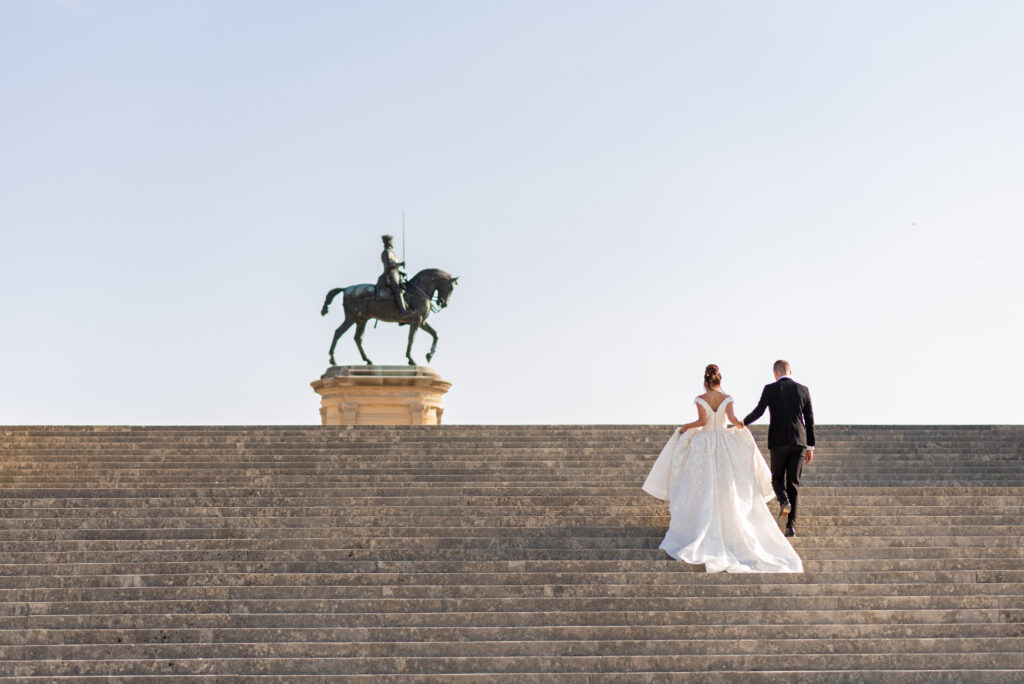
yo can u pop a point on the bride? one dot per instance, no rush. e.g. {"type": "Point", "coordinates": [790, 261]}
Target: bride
{"type": "Point", "coordinates": [718, 487]}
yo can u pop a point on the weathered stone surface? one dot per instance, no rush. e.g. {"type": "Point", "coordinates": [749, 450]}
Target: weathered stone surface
{"type": "Point", "coordinates": [505, 553]}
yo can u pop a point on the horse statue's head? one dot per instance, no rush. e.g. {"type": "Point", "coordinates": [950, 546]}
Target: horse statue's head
{"type": "Point", "coordinates": [444, 289]}
{"type": "Point", "coordinates": [434, 285]}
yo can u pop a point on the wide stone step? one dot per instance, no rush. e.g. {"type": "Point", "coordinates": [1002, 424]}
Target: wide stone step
{"type": "Point", "coordinates": [298, 450]}
{"type": "Point", "coordinates": [493, 428]}
{"type": "Point", "coordinates": [618, 474]}
{"type": "Point", "coordinates": [774, 620]}
{"type": "Point", "coordinates": [1012, 605]}
{"type": "Point", "coordinates": [527, 449]}
{"type": "Point", "coordinates": [947, 676]}
{"type": "Point", "coordinates": [810, 537]}
{"type": "Point", "coordinates": [525, 452]}
{"type": "Point", "coordinates": [527, 507]}
{"type": "Point", "coordinates": [672, 594]}
{"type": "Point", "coordinates": [260, 486]}
{"type": "Point", "coordinates": [669, 576]}
{"type": "Point", "coordinates": [529, 454]}
{"type": "Point", "coordinates": [501, 539]}
{"type": "Point", "coordinates": [108, 492]}
{"type": "Point", "coordinates": [419, 462]}
{"type": "Point", "coordinates": [365, 567]}
{"type": "Point", "coordinates": [821, 555]}
{"type": "Point", "coordinates": [894, 534]}
{"type": "Point", "coordinates": [988, 496]}
{"type": "Point", "coordinates": [386, 517]}
{"type": "Point", "coordinates": [384, 431]}
{"type": "Point", "coordinates": [420, 495]}
{"type": "Point", "coordinates": [525, 664]}
{"type": "Point", "coordinates": [896, 438]}
{"type": "Point", "coordinates": [506, 648]}
{"type": "Point", "coordinates": [936, 477]}
{"type": "Point", "coordinates": [534, 634]}
{"type": "Point", "coordinates": [576, 454]}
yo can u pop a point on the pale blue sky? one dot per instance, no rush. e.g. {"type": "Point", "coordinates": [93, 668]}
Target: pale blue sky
{"type": "Point", "coordinates": [628, 191]}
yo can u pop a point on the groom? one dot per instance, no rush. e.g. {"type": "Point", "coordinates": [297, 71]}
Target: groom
{"type": "Point", "coordinates": [790, 436]}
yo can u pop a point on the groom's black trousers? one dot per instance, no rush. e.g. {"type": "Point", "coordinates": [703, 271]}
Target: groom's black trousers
{"type": "Point", "coordinates": [787, 464]}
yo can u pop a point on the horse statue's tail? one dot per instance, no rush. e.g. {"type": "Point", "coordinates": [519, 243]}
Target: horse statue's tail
{"type": "Point", "coordinates": [330, 298]}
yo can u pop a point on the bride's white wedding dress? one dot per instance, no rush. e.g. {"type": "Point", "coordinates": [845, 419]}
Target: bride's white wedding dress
{"type": "Point", "coordinates": [718, 487]}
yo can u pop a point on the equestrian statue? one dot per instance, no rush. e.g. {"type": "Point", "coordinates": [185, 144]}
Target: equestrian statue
{"type": "Point", "coordinates": [393, 300]}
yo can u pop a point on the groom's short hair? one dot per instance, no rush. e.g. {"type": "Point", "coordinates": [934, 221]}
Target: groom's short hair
{"type": "Point", "coordinates": [781, 367]}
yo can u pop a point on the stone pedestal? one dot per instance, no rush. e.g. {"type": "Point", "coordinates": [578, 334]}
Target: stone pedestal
{"type": "Point", "coordinates": [381, 395]}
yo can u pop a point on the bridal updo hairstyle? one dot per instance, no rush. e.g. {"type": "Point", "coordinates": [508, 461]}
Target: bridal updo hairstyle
{"type": "Point", "coordinates": [712, 376]}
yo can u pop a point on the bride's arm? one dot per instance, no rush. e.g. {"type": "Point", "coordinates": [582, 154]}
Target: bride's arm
{"type": "Point", "coordinates": [702, 419]}
{"type": "Point", "coordinates": [732, 416]}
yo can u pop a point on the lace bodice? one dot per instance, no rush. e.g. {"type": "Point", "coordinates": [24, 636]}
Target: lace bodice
{"type": "Point", "coordinates": [717, 420]}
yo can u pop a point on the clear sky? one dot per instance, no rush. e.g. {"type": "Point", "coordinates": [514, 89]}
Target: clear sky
{"type": "Point", "coordinates": [627, 190]}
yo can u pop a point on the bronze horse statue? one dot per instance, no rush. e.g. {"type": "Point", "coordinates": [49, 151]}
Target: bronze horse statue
{"type": "Point", "coordinates": [365, 301]}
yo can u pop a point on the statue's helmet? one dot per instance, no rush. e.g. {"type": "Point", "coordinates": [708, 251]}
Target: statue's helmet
{"type": "Point", "coordinates": [388, 239]}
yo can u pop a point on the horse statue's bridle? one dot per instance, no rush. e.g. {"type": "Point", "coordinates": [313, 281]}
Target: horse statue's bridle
{"type": "Point", "coordinates": [434, 306]}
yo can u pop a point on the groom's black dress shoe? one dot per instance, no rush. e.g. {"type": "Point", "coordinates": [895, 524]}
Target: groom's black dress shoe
{"type": "Point", "coordinates": [785, 508]}
{"type": "Point", "coordinates": [790, 531]}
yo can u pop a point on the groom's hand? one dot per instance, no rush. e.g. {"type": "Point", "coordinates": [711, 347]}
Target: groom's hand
{"type": "Point", "coordinates": [808, 455]}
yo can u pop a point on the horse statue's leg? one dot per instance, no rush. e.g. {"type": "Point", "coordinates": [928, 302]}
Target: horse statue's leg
{"type": "Point", "coordinates": [413, 327]}
{"type": "Point", "coordinates": [337, 336]}
{"type": "Point", "coordinates": [433, 333]}
{"type": "Point", "coordinates": [360, 327]}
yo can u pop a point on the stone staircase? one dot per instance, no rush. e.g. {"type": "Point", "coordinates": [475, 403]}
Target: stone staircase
{"type": "Point", "coordinates": [492, 553]}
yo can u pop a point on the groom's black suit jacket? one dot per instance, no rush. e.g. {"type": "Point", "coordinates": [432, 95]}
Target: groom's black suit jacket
{"type": "Point", "coordinates": [792, 420]}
